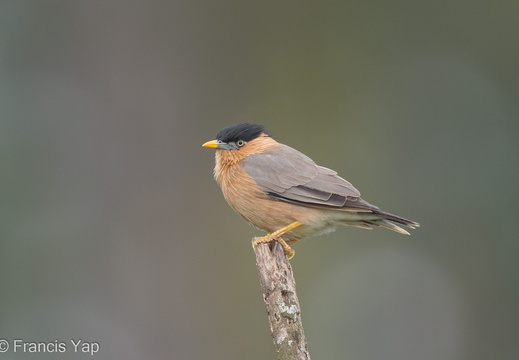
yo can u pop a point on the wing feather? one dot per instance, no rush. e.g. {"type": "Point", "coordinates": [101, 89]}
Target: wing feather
{"type": "Point", "coordinates": [289, 175]}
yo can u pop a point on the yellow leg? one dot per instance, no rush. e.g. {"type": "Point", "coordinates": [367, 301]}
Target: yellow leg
{"type": "Point", "coordinates": [276, 236]}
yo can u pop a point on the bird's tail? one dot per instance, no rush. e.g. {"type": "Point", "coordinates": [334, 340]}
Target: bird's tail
{"type": "Point", "coordinates": [390, 221]}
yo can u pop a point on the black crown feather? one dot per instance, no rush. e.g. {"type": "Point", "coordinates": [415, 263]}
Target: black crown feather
{"type": "Point", "coordinates": [244, 131]}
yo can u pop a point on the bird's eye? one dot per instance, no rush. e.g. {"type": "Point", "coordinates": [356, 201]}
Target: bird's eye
{"type": "Point", "coordinates": [240, 143]}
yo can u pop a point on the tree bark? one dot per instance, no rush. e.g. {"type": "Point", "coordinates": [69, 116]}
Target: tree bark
{"type": "Point", "coordinates": [279, 293]}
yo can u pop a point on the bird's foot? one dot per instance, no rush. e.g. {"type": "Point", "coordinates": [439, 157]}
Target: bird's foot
{"type": "Point", "coordinates": [289, 252]}
{"type": "Point", "coordinates": [276, 236]}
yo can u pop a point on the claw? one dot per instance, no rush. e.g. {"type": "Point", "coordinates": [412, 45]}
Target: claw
{"type": "Point", "coordinates": [276, 236]}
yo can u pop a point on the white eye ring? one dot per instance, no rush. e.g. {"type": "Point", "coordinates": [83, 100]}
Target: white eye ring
{"type": "Point", "coordinates": [240, 143]}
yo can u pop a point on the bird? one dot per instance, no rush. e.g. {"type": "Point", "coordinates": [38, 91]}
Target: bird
{"type": "Point", "coordinates": [280, 190]}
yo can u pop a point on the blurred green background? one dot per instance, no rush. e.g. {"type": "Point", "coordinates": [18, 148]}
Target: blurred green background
{"type": "Point", "coordinates": [113, 230]}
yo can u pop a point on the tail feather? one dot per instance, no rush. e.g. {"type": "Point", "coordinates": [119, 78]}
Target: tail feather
{"type": "Point", "coordinates": [398, 219]}
{"type": "Point", "coordinates": [390, 221]}
{"type": "Point", "coordinates": [389, 225]}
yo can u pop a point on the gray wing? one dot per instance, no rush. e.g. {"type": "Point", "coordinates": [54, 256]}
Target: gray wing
{"type": "Point", "coordinates": [289, 175]}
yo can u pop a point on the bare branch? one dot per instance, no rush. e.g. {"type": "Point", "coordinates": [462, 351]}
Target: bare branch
{"type": "Point", "coordinates": [283, 310]}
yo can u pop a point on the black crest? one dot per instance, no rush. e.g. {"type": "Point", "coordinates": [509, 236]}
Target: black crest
{"type": "Point", "coordinates": [244, 131]}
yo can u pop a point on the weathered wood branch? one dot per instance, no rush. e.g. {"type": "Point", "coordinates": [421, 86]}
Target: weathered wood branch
{"type": "Point", "coordinates": [279, 293]}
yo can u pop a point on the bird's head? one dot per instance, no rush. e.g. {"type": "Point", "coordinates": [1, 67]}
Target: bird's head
{"type": "Point", "coordinates": [236, 137]}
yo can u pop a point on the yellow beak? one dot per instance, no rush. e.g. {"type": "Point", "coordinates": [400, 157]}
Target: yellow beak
{"type": "Point", "coordinates": [211, 144]}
